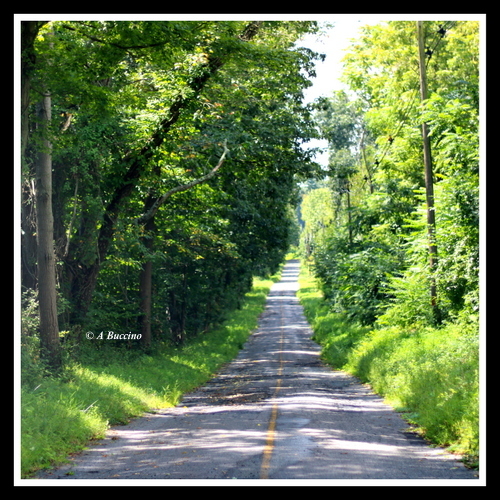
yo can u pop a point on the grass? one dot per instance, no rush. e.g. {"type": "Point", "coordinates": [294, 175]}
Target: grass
{"type": "Point", "coordinates": [60, 416]}
{"type": "Point", "coordinates": [335, 348]}
{"type": "Point", "coordinates": [430, 375]}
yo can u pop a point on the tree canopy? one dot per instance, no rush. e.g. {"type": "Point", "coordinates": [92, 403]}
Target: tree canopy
{"type": "Point", "coordinates": [176, 148]}
{"type": "Point", "coordinates": [372, 259]}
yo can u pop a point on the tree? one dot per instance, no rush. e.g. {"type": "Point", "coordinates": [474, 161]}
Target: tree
{"type": "Point", "coordinates": [317, 214]}
{"type": "Point", "coordinates": [111, 45]}
{"type": "Point", "coordinates": [49, 328]}
{"type": "Point", "coordinates": [382, 69]}
{"type": "Point", "coordinates": [141, 111]}
{"type": "Point", "coordinates": [46, 275]}
{"type": "Point", "coordinates": [429, 175]}
{"type": "Point", "coordinates": [135, 163]}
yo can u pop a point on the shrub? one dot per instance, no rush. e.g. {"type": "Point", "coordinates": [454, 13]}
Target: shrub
{"type": "Point", "coordinates": [431, 374]}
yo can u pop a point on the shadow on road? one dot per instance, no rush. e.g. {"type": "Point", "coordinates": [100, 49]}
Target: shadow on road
{"type": "Point", "coordinates": [325, 424]}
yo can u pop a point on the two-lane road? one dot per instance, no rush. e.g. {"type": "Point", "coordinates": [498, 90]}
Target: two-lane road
{"type": "Point", "coordinates": [276, 412]}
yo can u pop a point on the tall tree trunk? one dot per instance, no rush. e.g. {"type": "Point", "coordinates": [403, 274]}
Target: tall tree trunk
{"type": "Point", "coordinates": [146, 284]}
{"type": "Point", "coordinates": [349, 211]}
{"type": "Point", "coordinates": [429, 183]}
{"type": "Point", "coordinates": [47, 295]}
{"type": "Point", "coordinates": [45, 257]}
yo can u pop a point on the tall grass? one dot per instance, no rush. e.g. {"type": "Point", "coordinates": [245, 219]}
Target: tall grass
{"type": "Point", "coordinates": [62, 415]}
{"type": "Point", "coordinates": [429, 374]}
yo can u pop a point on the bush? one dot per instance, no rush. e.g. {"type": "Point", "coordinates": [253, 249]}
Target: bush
{"type": "Point", "coordinates": [410, 300]}
{"type": "Point", "coordinates": [354, 280]}
{"type": "Point", "coordinates": [430, 374]}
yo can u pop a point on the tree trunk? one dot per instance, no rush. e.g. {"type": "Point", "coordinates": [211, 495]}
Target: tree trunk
{"type": "Point", "coordinates": [146, 302]}
{"type": "Point", "coordinates": [429, 185]}
{"type": "Point", "coordinates": [45, 257]}
{"type": "Point", "coordinates": [146, 284]}
{"type": "Point", "coordinates": [28, 238]}
{"type": "Point", "coordinates": [47, 295]}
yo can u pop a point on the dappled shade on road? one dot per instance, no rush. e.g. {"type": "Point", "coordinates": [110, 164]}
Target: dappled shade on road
{"type": "Point", "coordinates": [275, 412]}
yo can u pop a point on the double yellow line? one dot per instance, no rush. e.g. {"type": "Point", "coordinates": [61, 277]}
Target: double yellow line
{"type": "Point", "coordinates": [271, 429]}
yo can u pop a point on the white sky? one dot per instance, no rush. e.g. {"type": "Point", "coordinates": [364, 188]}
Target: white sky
{"type": "Point", "coordinates": [334, 45]}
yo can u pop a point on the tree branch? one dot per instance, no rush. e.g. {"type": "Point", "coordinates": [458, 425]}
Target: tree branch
{"type": "Point", "coordinates": [137, 160]}
{"type": "Point", "coordinates": [184, 187]}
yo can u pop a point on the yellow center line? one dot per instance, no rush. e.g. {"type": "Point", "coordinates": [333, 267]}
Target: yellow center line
{"type": "Point", "coordinates": [271, 430]}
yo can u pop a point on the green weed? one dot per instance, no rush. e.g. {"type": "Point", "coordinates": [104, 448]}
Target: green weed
{"type": "Point", "coordinates": [60, 416]}
{"type": "Point", "coordinates": [430, 374]}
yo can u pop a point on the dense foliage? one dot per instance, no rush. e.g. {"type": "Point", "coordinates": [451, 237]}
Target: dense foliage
{"type": "Point", "coordinates": [172, 153]}
{"type": "Point", "coordinates": [370, 248]}
{"type": "Point", "coordinates": [176, 149]}
{"type": "Point", "coordinates": [398, 299]}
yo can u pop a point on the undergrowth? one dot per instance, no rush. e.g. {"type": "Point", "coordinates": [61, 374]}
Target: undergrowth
{"type": "Point", "coordinates": [60, 416]}
{"type": "Point", "coordinates": [431, 375]}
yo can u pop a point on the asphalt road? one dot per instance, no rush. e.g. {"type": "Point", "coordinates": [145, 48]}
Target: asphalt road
{"type": "Point", "coordinates": [275, 413]}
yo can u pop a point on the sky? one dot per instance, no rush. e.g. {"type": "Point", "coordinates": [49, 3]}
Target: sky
{"type": "Point", "coordinates": [334, 45]}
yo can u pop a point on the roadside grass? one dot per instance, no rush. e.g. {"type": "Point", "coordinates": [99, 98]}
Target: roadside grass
{"type": "Point", "coordinates": [333, 332]}
{"type": "Point", "coordinates": [61, 416]}
{"type": "Point", "coordinates": [430, 375]}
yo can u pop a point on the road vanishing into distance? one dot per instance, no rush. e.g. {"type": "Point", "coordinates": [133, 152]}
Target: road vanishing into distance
{"type": "Point", "coordinates": [275, 413]}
